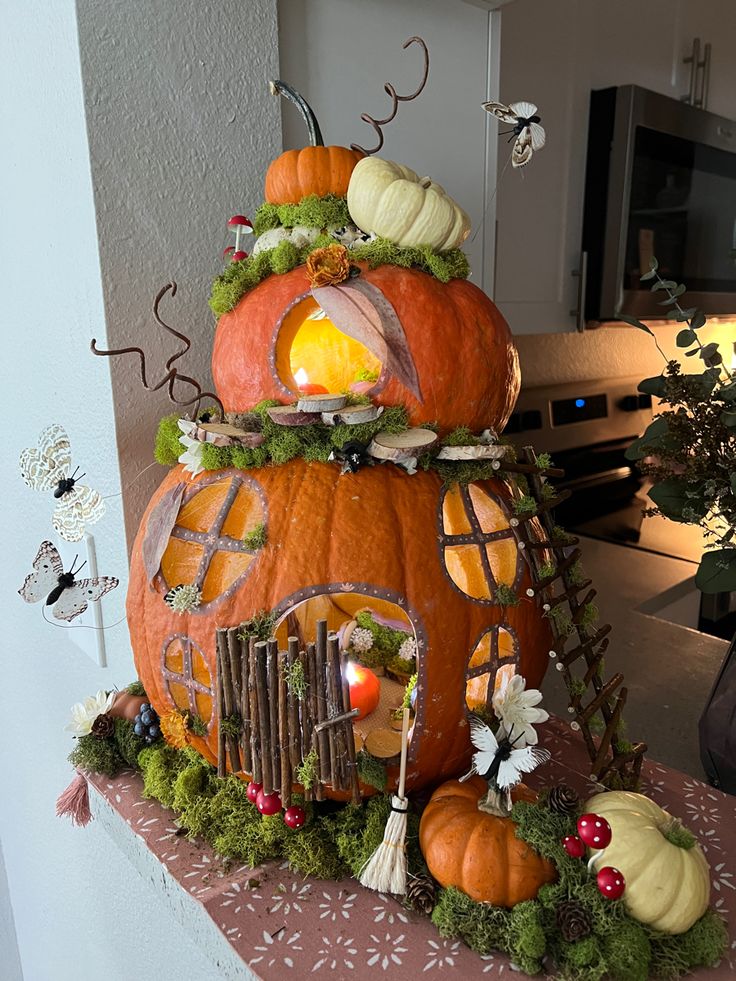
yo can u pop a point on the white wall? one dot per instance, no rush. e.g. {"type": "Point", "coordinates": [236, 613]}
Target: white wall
{"type": "Point", "coordinates": [80, 910]}
{"type": "Point", "coordinates": [8, 940]}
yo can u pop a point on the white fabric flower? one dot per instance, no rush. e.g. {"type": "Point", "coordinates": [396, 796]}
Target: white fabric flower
{"type": "Point", "coordinates": [517, 711]}
{"type": "Point", "coordinates": [408, 650]}
{"type": "Point", "coordinates": [361, 640]}
{"type": "Point", "coordinates": [192, 455]}
{"type": "Point", "coordinates": [84, 713]}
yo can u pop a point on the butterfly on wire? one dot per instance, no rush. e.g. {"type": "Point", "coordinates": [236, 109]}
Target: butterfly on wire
{"type": "Point", "coordinates": [497, 760]}
{"type": "Point", "coordinates": [49, 467]}
{"type": "Point", "coordinates": [525, 123]}
{"type": "Point", "coordinates": [68, 596]}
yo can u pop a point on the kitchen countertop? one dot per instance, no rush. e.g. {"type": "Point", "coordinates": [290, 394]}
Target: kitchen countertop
{"type": "Point", "coordinates": [669, 669]}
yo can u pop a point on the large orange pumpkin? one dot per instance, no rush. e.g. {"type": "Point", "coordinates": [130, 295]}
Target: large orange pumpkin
{"type": "Point", "coordinates": [476, 852]}
{"type": "Point", "coordinates": [461, 347]}
{"type": "Point", "coordinates": [377, 536]}
{"type": "Point", "coordinates": [315, 169]}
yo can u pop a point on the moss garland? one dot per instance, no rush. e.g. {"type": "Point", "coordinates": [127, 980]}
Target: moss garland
{"type": "Point", "coordinates": [312, 211]}
{"type": "Point", "coordinates": [241, 277]}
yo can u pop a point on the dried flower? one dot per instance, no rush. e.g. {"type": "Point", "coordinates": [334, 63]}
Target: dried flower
{"type": "Point", "coordinates": [516, 709]}
{"type": "Point", "coordinates": [103, 727]}
{"type": "Point", "coordinates": [361, 640]}
{"type": "Point", "coordinates": [328, 266]}
{"type": "Point", "coordinates": [175, 728]}
{"type": "Point", "coordinates": [183, 598]}
{"type": "Point", "coordinates": [84, 713]}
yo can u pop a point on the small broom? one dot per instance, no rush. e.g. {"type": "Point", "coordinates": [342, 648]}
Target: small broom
{"type": "Point", "coordinates": [385, 870]}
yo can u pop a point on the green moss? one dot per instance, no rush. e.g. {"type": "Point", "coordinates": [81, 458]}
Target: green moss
{"type": "Point", "coordinates": [461, 436]}
{"type": "Point", "coordinates": [260, 626]}
{"type": "Point", "coordinates": [296, 680]}
{"type": "Point", "coordinates": [160, 767]}
{"type": "Point", "coordinates": [371, 771]}
{"type": "Point", "coordinates": [544, 461]}
{"type": "Point", "coordinates": [129, 745]}
{"type": "Point", "coordinates": [216, 457]}
{"type": "Point", "coordinates": [312, 212]}
{"type": "Point", "coordinates": [246, 457]}
{"type": "Point", "coordinates": [409, 691]}
{"type": "Point", "coordinates": [463, 471]}
{"type": "Point", "coordinates": [358, 830]}
{"type": "Point", "coordinates": [590, 615]}
{"type": "Point", "coordinates": [387, 643]}
{"type": "Point", "coordinates": [136, 688]}
{"type": "Point", "coordinates": [232, 725]}
{"type": "Point", "coordinates": [307, 771]}
{"type": "Point", "coordinates": [444, 266]}
{"type": "Point", "coordinates": [560, 535]}
{"type": "Point", "coordinates": [675, 833]}
{"type": "Point", "coordinates": [703, 944]}
{"type": "Point", "coordinates": [576, 574]}
{"type": "Point", "coordinates": [256, 539]}
{"type": "Point", "coordinates": [525, 505]}
{"type": "Point", "coordinates": [312, 852]}
{"type": "Point", "coordinates": [198, 725]}
{"type": "Point", "coordinates": [168, 449]}
{"type": "Point", "coordinates": [482, 927]}
{"type": "Point", "coordinates": [505, 596]}
{"type": "Point", "coordinates": [547, 570]}
{"type": "Point", "coordinates": [561, 618]}
{"type": "Point", "coordinates": [97, 756]}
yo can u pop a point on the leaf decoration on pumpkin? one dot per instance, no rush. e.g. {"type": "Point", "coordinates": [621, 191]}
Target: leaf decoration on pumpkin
{"type": "Point", "coordinates": [159, 528]}
{"type": "Point", "coordinates": [361, 311]}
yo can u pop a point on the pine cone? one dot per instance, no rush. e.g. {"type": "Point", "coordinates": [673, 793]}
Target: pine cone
{"type": "Point", "coordinates": [421, 893]}
{"type": "Point", "coordinates": [563, 800]}
{"type": "Point", "coordinates": [574, 921]}
{"type": "Point", "coordinates": [103, 727]}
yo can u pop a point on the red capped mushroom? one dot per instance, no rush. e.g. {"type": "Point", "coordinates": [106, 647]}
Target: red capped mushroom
{"type": "Point", "coordinates": [239, 256]}
{"type": "Point", "coordinates": [242, 226]}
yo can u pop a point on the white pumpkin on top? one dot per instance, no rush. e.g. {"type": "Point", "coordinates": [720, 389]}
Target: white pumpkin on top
{"type": "Point", "coordinates": [389, 200]}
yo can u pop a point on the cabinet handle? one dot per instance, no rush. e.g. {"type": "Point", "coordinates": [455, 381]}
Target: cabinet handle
{"type": "Point", "coordinates": [582, 275]}
{"type": "Point", "coordinates": [705, 77]}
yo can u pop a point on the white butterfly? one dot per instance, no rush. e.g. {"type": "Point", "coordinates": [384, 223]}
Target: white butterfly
{"type": "Point", "coordinates": [49, 467]}
{"type": "Point", "coordinates": [498, 760]}
{"type": "Point", "coordinates": [529, 134]}
{"type": "Point", "coordinates": [69, 596]}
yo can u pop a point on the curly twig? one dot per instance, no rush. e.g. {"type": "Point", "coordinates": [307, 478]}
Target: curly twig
{"type": "Point", "coordinates": [172, 375]}
{"type": "Point", "coordinates": [395, 100]}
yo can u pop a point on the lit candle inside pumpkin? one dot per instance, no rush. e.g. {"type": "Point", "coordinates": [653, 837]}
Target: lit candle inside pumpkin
{"type": "Point", "coordinates": [307, 387]}
{"type": "Point", "coordinates": [365, 689]}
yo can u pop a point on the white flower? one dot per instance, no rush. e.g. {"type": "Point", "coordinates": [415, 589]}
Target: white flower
{"type": "Point", "coordinates": [84, 713]}
{"type": "Point", "coordinates": [408, 650]}
{"type": "Point", "coordinates": [192, 455]}
{"type": "Point", "coordinates": [361, 640]}
{"type": "Point", "coordinates": [183, 598]}
{"type": "Point", "coordinates": [516, 709]}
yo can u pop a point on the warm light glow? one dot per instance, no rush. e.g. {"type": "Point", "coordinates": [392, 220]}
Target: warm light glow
{"type": "Point", "coordinates": [365, 688]}
{"type": "Point", "coordinates": [301, 377]}
{"type": "Point", "coordinates": [350, 673]}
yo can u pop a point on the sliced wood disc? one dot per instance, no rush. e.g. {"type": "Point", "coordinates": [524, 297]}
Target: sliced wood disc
{"type": "Point", "coordinates": [353, 415]}
{"type": "Point", "coordinates": [401, 446]}
{"type": "Point", "coordinates": [483, 451]}
{"type": "Point", "coordinates": [383, 743]}
{"type": "Point", "coordinates": [223, 434]}
{"type": "Point", "coordinates": [358, 739]}
{"type": "Point", "coordinates": [321, 403]}
{"type": "Point", "coordinates": [290, 415]}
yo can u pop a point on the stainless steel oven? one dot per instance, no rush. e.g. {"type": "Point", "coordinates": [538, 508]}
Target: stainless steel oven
{"type": "Point", "coordinates": [660, 180]}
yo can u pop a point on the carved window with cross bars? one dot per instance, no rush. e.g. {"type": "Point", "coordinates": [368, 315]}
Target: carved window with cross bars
{"type": "Point", "coordinates": [478, 544]}
{"type": "Point", "coordinates": [187, 676]}
{"type": "Point", "coordinates": [495, 655]}
{"type": "Point", "coordinates": [207, 546]}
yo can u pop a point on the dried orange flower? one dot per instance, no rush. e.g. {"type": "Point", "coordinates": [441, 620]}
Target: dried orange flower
{"type": "Point", "coordinates": [174, 729]}
{"type": "Point", "coordinates": [328, 266]}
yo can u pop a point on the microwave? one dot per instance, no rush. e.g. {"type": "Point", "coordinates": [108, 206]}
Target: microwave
{"type": "Point", "coordinates": [660, 181]}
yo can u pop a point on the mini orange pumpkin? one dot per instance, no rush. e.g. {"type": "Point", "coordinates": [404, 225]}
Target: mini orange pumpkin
{"type": "Point", "coordinates": [460, 345]}
{"type": "Point", "coordinates": [315, 169]}
{"type": "Point", "coordinates": [476, 852]}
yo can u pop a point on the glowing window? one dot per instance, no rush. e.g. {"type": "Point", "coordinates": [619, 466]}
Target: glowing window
{"type": "Point", "coordinates": [206, 545]}
{"type": "Point", "coordinates": [479, 547]}
{"type": "Point", "coordinates": [188, 678]}
{"type": "Point", "coordinates": [496, 655]}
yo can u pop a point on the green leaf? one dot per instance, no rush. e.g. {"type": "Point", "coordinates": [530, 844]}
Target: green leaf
{"type": "Point", "coordinates": [685, 338]}
{"type": "Point", "coordinates": [652, 437]}
{"type": "Point", "coordinates": [674, 294]}
{"type": "Point", "coordinates": [648, 275]}
{"type": "Point", "coordinates": [710, 354]}
{"type": "Point", "coordinates": [717, 571]}
{"type": "Point", "coordinates": [728, 392]}
{"type": "Point", "coordinates": [670, 496]}
{"type": "Point", "coordinates": [633, 322]}
{"type": "Point", "coordinates": [697, 320]}
{"type": "Point", "coordinates": [664, 284]}
{"type": "Point", "coordinates": [653, 386]}
{"type": "Point", "coordinates": [653, 264]}
{"type": "Point", "coordinates": [708, 381]}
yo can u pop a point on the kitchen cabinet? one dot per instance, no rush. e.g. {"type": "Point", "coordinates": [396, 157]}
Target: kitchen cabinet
{"type": "Point", "coordinates": [553, 55]}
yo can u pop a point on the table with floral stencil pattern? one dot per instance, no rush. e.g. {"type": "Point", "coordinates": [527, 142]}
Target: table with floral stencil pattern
{"type": "Point", "coordinates": [272, 923]}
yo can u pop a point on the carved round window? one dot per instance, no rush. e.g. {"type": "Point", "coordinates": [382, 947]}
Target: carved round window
{"type": "Point", "coordinates": [188, 678]}
{"type": "Point", "coordinates": [496, 655]}
{"type": "Point", "coordinates": [209, 544]}
{"type": "Point", "coordinates": [479, 548]}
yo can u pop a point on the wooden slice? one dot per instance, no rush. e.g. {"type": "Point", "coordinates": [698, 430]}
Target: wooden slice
{"type": "Point", "coordinates": [321, 403]}
{"type": "Point", "coordinates": [483, 451]}
{"type": "Point", "coordinates": [383, 743]}
{"type": "Point", "coordinates": [223, 434]}
{"type": "Point", "coordinates": [289, 415]}
{"type": "Point", "coordinates": [352, 415]}
{"type": "Point", "coordinates": [397, 721]}
{"type": "Point", "coordinates": [359, 739]}
{"type": "Point", "coordinates": [401, 446]}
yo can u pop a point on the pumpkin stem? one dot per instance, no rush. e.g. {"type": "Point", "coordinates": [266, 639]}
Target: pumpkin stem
{"type": "Point", "coordinates": [288, 92]}
{"type": "Point", "coordinates": [495, 803]}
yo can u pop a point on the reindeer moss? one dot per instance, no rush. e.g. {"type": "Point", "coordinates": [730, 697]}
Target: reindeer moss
{"type": "Point", "coordinates": [168, 449]}
{"type": "Point", "coordinates": [306, 773]}
{"type": "Point", "coordinates": [444, 266]}
{"type": "Point", "coordinates": [702, 945]}
{"type": "Point", "coordinates": [128, 744]}
{"type": "Point", "coordinates": [260, 626]}
{"type": "Point", "coordinates": [504, 595]}
{"type": "Point", "coordinates": [198, 725]}
{"type": "Point", "coordinates": [256, 539]}
{"type": "Point", "coordinates": [312, 211]}
{"type": "Point", "coordinates": [296, 680]}
{"type": "Point", "coordinates": [311, 851]}
{"type": "Point", "coordinates": [97, 756]}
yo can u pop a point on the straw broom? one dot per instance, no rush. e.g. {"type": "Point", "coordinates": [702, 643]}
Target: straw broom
{"type": "Point", "coordinates": [385, 870]}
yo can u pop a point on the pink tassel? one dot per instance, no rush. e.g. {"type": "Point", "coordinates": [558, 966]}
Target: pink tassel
{"type": "Point", "coordinates": [75, 802]}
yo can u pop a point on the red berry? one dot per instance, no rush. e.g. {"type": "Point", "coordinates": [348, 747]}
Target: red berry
{"type": "Point", "coordinates": [253, 789]}
{"type": "Point", "coordinates": [594, 830]}
{"type": "Point", "coordinates": [574, 846]}
{"type": "Point", "coordinates": [611, 883]}
{"type": "Point", "coordinates": [239, 255]}
{"type": "Point", "coordinates": [295, 816]}
{"type": "Point", "coordinates": [268, 803]}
